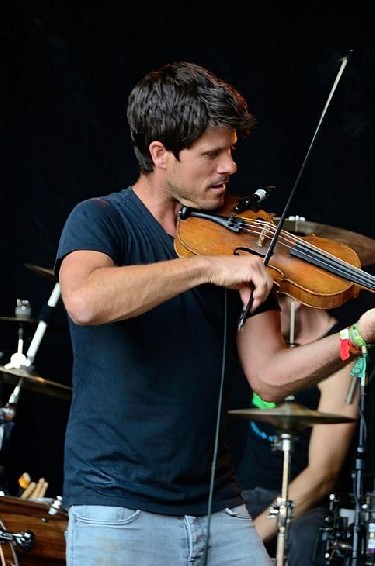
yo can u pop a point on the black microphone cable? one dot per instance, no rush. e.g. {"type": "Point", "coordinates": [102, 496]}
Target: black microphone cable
{"type": "Point", "coordinates": [216, 443]}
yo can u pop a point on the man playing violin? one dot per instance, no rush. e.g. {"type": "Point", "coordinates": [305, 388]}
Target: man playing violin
{"type": "Point", "coordinates": [148, 476]}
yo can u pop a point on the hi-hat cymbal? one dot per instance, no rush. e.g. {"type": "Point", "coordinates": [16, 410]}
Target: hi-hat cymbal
{"type": "Point", "coordinates": [19, 319]}
{"type": "Point", "coordinates": [46, 272]}
{"type": "Point", "coordinates": [35, 383]}
{"type": "Point", "coordinates": [31, 321]}
{"type": "Point", "coordinates": [290, 416]}
{"type": "Point", "coordinates": [362, 245]}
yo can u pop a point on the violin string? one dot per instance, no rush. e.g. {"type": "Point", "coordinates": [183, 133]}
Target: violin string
{"type": "Point", "coordinates": [325, 259]}
{"type": "Point", "coordinates": [311, 253]}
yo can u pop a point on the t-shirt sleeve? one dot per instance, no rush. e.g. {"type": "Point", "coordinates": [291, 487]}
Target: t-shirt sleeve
{"type": "Point", "coordinates": [91, 225]}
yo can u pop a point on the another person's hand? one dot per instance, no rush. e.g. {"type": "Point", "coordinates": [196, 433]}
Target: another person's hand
{"type": "Point", "coordinates": [33, 490]}
{"type": "Point", "coordinates": [366, 325]}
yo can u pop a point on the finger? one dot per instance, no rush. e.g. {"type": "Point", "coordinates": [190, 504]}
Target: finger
{"type": "Point", "coordinates": [35, 490]}
{"type": "Point", "coordinates": [28, 491]}
{"type": "Point", "coordinates": [40, 489]}
{"type": "Point", "coordinates": [259, 289]}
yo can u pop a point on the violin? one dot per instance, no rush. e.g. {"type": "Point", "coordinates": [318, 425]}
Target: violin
{"type": "Point", "coordinates": [318, 272]}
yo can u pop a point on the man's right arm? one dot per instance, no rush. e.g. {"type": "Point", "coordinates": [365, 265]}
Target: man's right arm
{"type": "Point", "coordinates": [95, 291]}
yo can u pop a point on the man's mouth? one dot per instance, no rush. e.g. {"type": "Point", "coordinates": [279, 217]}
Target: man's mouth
{"type": "Point", "coordinates": [219, 186]}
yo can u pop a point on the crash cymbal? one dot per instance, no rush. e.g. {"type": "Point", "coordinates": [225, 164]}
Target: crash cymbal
{"type": "Point", "coordinates": [290, 416]}
{"type": "Point", "coordinates": [362, 245]}
{"type": "Point", "coordinates": [41, 270]}
{"type": "Point", "coordinates": [35, 383]}
{"type": "Point", "coordinates": [19, 319]}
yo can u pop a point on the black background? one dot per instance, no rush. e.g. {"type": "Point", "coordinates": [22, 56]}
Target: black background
{"type": "Point", "coordinates": [66, 69]}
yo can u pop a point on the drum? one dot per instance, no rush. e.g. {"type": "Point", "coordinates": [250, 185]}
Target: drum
{"type": "Point", "coordinates": [334, 545]}
{"type": "Point", "coordinates": [44, 520]}
{"type": "Point", "coordinates": [369, 513]}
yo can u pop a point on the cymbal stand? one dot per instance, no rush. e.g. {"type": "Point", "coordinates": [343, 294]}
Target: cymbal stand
{"type": "Point", "coordinates": [284, 508]}
{"type": "Point", "coordinates": [18, 359]}
{"type": "Point", "coordinates": [42, 324]}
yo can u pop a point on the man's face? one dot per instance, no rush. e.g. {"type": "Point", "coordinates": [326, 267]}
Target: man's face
{"type": "Point", "coordinates": [199, 179]}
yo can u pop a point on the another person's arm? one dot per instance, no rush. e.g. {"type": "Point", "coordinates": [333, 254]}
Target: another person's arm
{"type": "Point", "coordinates": [275, 371]}
{"type": "Point", "coordinates": [329, 445]}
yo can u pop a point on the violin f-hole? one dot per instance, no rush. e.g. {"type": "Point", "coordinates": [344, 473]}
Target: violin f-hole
{"type": "Point", "coordinates": [248, 250]}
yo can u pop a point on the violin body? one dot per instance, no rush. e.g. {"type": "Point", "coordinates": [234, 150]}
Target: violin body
{"type": "Point", "coordinates": [310, 284]}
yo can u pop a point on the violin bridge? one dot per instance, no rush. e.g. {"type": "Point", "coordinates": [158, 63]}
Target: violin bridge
{"type": "Point", "coordinates": [264, 234]}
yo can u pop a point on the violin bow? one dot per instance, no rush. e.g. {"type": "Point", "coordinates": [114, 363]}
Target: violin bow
{"type": "Point", "coordinates": [272, 244]}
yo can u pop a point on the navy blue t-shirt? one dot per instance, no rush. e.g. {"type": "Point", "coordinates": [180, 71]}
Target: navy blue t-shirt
{"type": "Point", "coordinates": [145, 390]}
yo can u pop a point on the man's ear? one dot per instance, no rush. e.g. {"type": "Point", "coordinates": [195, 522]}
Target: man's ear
{"type": "Point", "coordinates": [158, 154]}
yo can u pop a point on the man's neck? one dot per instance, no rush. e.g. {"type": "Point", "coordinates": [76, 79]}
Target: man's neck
{"type": "Point", "coordinates": [162, 207]}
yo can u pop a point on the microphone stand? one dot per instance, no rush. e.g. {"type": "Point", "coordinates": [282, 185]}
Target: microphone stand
{"type": "Point", "coordinates": [359, 534]}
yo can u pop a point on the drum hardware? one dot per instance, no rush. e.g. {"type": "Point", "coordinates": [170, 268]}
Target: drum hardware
{"type": "Point", "coordinates": [354, 543]}
{"type": "Point", "coordinates": [334, 546]}
{"type": "Point", "coordinates": [21, 515]}
{"type": "Point", "coordinates": [359, 532]}
{"type": "Point", "coordinates": [21, 320]}
{"type": "Point", "coordinates": [19, 370]}
{"type": "Point", "coordinates": [24, 379]}
{"type": "Point", "coordinates": [288, 418]}
{"type": "Point", "coordinates": [19, 359]}
{"type": "Point", "coordinates": [25, 540]}
{"type": "Point", "coordinates": [370, 527]}
{"type": "Point", "coordinates": [56, 505]}
{"type": "Point", "coordinates": [283, 510]}
{"type": "Point", "coordinates": [22, 314]}
{"type": "Point", "coordinates": [42, 545]}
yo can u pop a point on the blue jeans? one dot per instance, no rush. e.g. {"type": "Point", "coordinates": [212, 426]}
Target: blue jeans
{"type": "Point", "coordinates": [98, 535]}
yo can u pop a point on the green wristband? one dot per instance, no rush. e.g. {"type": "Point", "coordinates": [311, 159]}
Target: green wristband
{"type": "Point", "coordinates": [356, 337]}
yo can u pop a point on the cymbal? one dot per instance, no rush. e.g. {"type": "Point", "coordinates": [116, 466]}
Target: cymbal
{"type": "Point", "coordinates": [35, 383]}
{"type": "Point", "coordinates": [41, 270]}
{"type": "Point", "coordinates": [290, 416]}
{"type": "Point", "coordinates": [362, 245]}
{"type": "Point", "coordinates": [18, 319]}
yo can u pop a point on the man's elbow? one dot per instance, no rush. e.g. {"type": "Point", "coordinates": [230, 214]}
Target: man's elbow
{"type": "Point", "coordinates": [78, 309]}
{"type": "Point", "coordinates": [269, 392]}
